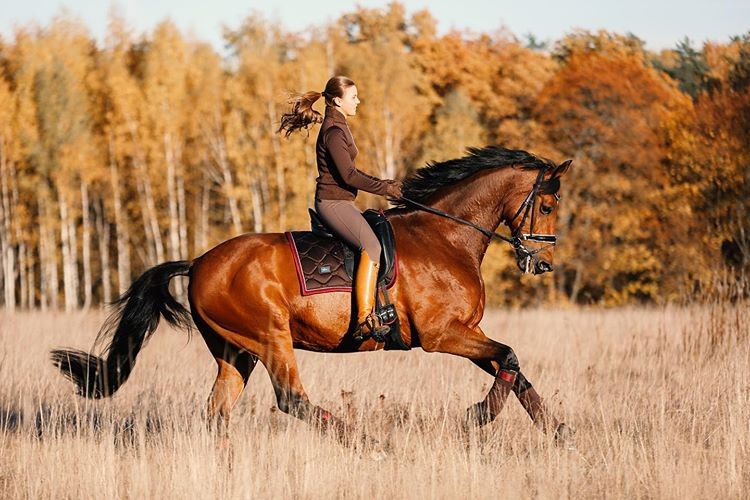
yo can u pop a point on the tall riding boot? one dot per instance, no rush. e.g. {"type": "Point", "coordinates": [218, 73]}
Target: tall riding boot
{"type": "Point", "coordinates": [364, 287]}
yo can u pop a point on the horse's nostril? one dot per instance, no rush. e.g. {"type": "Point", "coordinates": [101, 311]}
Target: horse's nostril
{"type": "Point", "coordinates": [543, 267]}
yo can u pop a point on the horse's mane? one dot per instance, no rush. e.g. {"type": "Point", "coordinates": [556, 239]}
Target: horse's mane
{"type": "Point", "coordinates": [424, 182]}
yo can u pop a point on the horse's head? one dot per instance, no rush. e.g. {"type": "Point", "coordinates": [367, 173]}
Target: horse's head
{"type": "Point", "coordinates": [533, 223]}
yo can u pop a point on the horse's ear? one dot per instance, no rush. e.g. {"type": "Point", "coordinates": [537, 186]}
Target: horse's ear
{"type": "Point", "coordinates": [560, 170]}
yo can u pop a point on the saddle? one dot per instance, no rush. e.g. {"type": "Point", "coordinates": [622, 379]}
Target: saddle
{"type": "Point", "coordinates": [326, 264]}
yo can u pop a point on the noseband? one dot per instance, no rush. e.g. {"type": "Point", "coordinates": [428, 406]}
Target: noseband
{"type": "Point", "coordinates": [517, 238]}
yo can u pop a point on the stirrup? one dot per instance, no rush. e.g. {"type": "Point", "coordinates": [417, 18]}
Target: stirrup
{"type": "Point", "coordinates": [371, 327]}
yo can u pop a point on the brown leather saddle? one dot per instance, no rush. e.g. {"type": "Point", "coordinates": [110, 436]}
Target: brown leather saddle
{"type": "Point", "coordinates": [324, 264]}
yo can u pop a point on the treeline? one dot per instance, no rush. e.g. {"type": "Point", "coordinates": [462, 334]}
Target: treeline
{"type": "Point", "coordinates": [118, 156]}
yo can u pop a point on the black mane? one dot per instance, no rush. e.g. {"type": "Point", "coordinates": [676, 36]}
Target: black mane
{"type": "Point", "coordinates": [425, 181]}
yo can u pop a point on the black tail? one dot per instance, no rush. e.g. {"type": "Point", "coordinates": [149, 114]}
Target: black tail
{"type": "Point", "coordinates": [126, 330]}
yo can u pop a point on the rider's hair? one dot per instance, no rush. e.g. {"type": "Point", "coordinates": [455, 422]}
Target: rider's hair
{"type": "Point", "coordinates": [302, 114]}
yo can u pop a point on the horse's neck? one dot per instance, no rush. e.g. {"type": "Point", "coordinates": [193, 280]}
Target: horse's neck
{"type": "Point", "coordinates": [481, 200]}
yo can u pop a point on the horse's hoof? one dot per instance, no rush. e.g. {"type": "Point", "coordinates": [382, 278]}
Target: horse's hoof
{"type": "Point", "coordinates": [565, 438]}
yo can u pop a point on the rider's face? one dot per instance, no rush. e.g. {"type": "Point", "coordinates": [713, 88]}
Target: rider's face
{"type": "Point", "coordinates": [349, 101]}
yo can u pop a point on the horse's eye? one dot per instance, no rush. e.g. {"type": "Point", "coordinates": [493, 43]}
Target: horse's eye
{"type": "Point", "coordinates": [545, 209]}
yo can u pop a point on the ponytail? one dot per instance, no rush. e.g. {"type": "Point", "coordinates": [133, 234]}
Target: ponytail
{"type": "Point", "coordinates": [302, 114]}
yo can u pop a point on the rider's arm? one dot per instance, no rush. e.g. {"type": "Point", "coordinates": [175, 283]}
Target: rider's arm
{"type": "Point", "coordinates": [336, 144]}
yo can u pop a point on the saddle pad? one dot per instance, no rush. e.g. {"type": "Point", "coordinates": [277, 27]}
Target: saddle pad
{"type": "Point", "coordinates": [321, 263]}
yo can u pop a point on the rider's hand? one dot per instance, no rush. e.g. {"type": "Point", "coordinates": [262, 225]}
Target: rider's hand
{"type": "Point", "coordinates": [393, 189]}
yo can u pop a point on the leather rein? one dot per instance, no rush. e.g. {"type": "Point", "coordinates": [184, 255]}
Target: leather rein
{"type": "Point", "coordinates": [516, 239]}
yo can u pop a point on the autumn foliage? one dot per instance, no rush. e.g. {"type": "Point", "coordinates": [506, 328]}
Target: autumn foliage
{"type": "Point", "coordinates": [117, 156]}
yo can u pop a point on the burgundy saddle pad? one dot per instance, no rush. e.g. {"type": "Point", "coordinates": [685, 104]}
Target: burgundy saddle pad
{"type": "Point", "coordinates": [325, 264]}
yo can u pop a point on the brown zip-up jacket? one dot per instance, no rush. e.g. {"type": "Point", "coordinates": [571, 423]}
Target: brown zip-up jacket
{"type": "Point", "coordinates": [335, 151]}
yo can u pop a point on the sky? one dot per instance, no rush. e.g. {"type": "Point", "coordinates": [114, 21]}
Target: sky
{"type": "Point", "coordinates": [661, 23]}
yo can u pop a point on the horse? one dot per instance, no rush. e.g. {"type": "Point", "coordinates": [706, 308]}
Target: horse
{"type": "Point", "coordinates": [245, 300]}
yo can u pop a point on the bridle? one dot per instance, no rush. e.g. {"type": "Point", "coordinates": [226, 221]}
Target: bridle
{"type": "Point", "coordinates": [524, 254]}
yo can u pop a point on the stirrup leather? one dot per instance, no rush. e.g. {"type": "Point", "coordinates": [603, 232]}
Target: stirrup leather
{"type": "Point", "coordinates": [371, 327]}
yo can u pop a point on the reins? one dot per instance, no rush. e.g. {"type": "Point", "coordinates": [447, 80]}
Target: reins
{"type": "Point", "coordinates": [516, 238]}
{"type": "Point", "coordinates": [484, 231]}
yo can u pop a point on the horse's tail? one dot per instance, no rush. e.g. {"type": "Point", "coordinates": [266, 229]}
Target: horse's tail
{"type": "Point", "coordinates": [130, 325]}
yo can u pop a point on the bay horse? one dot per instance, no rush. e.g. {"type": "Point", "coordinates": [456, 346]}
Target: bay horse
{"type": "Point", "coordinates": [245, 296]}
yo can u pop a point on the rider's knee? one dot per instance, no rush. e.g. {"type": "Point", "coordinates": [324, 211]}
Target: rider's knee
{"type": "Point", "coordinates": [373, 250]}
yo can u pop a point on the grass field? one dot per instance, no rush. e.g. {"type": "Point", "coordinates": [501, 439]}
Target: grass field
{"type": "Point", "coordinates": [660, 400]}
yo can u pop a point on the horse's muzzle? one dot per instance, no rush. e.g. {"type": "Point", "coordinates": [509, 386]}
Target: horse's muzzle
{"type": "Point", "coordinates": [542, 266]}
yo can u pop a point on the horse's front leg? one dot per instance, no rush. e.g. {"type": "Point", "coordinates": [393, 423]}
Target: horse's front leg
{"type": "Point", "coordinates": [500, 361]}
{"type": "Point", "coordinates": [534, 405]}
{"type": "Point", "coordinates": [473, 344]}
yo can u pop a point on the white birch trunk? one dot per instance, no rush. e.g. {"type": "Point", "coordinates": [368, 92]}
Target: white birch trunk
{"type": "Point", "coordinates": [201, 205]}
{"type": "Point", "coordinates": [43, 280]}
{"type": "Point", "coordinates": [66, 253]}
{"type": "Point", "coordinates": [73, 237]}
{"type": "Point", "coordinates": [23, 293]}
{"type": "Point", "coordinates": [6, 248]}
{"type": "Point", "coordinates": [205, 205]}
{"type": "Point", "coordinates": [86, 246]}
{"type": "Point", "coordinates": [31, 286]}
{"type": "Point", "coordinates": [23, 259]}
{"type": "Point", "coordinates": [174, 223]}
{"type": "Point", "coordinates": [256, 199]}
{"type": "Point", "coordinates": [229, 189]}
{"type": "Point", "coordinates": [150, 218]}
{"type": "Point", "coordinates": [121, 230]}
{"type": "Point", "coordinates": [102, 229]}
{"type": "Point", "coordinates": [278, 165]}
{"type": "Point", "coordinates": [182, 211]}
{"type": "Point", "coordinates": [174, 237]}
{"type": "Point", "coordinates": [53, 269]}
{"type": "Point", "coordinates": [48, 256]}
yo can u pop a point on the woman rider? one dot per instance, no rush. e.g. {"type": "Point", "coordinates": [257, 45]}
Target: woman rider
{"type": "Point", "coordinates": [337, 185]}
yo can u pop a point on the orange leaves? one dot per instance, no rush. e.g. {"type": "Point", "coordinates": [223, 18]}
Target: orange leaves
{"type": "Point", "coordinates": [180, 145]}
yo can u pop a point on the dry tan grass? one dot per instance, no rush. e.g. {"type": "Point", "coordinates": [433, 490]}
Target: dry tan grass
{"type": "Point", "coordinates": [659, 399]}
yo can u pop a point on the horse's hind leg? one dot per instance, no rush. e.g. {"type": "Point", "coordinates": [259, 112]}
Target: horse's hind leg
{"type": "Point", "coordinates": [291, 398]}
{"type": "Point", "coordinates": [234, 369]}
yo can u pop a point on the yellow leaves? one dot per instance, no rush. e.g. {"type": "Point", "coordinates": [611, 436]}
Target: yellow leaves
{"type": "Point", "coordinates": [649, 200]}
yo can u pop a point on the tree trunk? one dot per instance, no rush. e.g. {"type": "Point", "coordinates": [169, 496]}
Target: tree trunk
{"type": "Point", "coordinates": [148, 211]}
{"type": "Point", "coordinates": [182, 211]}
{"type": "Point", "coordinates": [174, 237]}
{"type": "Point", "coordinates": [278, 165]}
{"type": "Point", "coordinates": [67, 254]}
{"type": "Point", "coordinates": [31, 286]}
{"type": "Point", "coordinates": [121, 230]}
{"type": "Point", "coordinates": [102, 229]}
{"type": "Point", "coordinates": [86, 246]}
{"type": "Point", "coordinates": [48, 255]}
{"type": "Point", "coordinates": [23, 293]}
{"type": "Point", "coordinates": [229, 189]}
{"type": "Point", "coordinates": [256, 199]}
{"type": "Point", "coordinates": [201, 215]}
{"type": "Point", "coordinates": [73, 237]}
{"type": "Point", "coordinates": [23, 253]}
{"type": "Point", "coordinates": [6, 248]}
